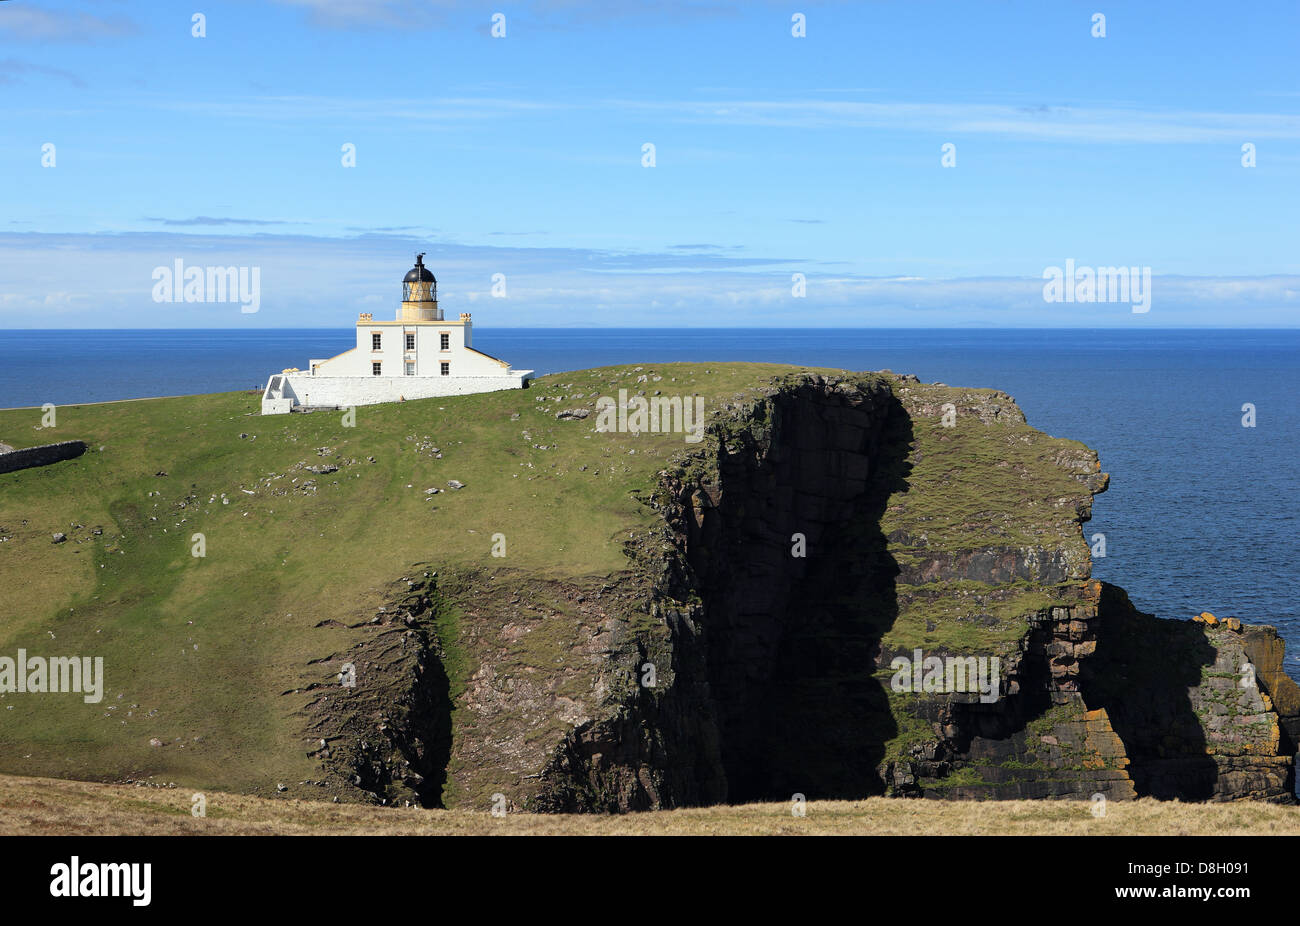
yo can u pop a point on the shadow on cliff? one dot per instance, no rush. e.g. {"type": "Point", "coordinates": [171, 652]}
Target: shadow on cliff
{"type": "Point", "coordinates": [792, 639]}
{"type": "Point", "coordinates": [1141, 673]}
{"type": "Point", "coordinates": [391, 737]}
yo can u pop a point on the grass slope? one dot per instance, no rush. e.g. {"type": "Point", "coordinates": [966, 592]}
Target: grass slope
{"type": "Point", "coordinates": [204, 653]}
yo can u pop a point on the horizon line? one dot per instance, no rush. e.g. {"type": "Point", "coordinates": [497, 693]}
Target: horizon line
{"type": "Point", "coordinates": [1295, 327]}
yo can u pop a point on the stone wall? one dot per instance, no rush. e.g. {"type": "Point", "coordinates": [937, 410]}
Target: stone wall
{"type": "Point", "coordinates": [40, 456]}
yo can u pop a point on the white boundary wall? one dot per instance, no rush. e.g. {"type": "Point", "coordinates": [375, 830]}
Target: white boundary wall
{"type": "Point", "coordinates": [305, 389]}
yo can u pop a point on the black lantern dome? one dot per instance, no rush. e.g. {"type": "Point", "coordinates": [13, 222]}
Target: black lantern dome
{"type": "Point", "coordinates": [419, 284]}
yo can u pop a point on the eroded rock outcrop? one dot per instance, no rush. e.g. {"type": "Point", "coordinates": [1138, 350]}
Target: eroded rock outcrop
{"type": "Point", "coordinates": [828, 527]}
{"type": "Point", "coordinates": [378, 716]}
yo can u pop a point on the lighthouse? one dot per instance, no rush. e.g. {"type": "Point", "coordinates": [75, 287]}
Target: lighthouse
{"type": "Point", "coordinates": [418, 355]}
{"type": "Point", "coordinates": [420, 294]}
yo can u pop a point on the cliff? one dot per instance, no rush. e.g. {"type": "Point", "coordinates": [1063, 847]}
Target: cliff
{"type": "Point", "coordinates": [854, 584]}
{"type": "Point", "coordinates": [827, 526]}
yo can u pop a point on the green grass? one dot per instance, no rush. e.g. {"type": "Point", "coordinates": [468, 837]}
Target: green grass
{"type": "Point", "coordinates": [994, 484]}
{"type": "Point", "coordinates": [966, 617]}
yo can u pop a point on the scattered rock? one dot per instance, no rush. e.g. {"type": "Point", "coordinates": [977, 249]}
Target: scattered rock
{"type": "Point", "coordinates": [455, 484]}
{"type": "Point", "coordinates": [60, 538]}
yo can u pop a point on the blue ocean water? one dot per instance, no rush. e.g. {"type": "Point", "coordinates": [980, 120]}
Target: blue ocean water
{"type": "Point", "coordinates": [1202, 514]}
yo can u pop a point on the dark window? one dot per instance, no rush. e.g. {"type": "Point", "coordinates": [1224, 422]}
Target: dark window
{"type": "Point", "coordinates": [410, 342]}
{"type": "Point", "coordinates": [374, 341]}
{"type": "Point", "coordinates": [374, 367]}
{"type": "Point", "coordinates": [446, 342]}
{"type": "Point", "coordinates": [446, 369]}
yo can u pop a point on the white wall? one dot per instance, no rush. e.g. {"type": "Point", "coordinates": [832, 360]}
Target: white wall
{"type": "Point", "coordinates": [428, 354]}
{"type": "Point", "coordinates": [304, 389]}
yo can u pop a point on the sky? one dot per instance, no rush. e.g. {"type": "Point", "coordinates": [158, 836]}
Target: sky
{"type": "Point", "coordinates": [796, 179]}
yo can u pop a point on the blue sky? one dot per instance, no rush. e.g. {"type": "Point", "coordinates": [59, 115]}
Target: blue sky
{"type": "Point", "coordinates": [774, 155]}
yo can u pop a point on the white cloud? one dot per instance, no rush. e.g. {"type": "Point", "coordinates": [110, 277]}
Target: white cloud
{"type": "Point", "coordinates": [1065, 124]}
{"type": "Point", "coordinates": [1061, 123]}
{"type": "Point", "coordinates": [324, 281]}
{"type": "Point", "coordinates": [382, 14]}
{"type": "Point", "coordinates": [34, 24]}
{"type": "Point", "coordinates": [13, 71]}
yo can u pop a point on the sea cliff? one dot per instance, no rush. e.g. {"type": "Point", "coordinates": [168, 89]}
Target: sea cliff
{"type": "Point", "coordinates": [854, 584]}
{"type": "Point", "coordinates": [828, 526]}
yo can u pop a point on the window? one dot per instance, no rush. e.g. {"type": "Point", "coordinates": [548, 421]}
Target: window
{"type": "Point", "coordinates": [375, 337]}
{"type": "Point", "coordinates": [410, 368]}
{"type": "Point", "coordinates": [446, 341]}
{"type": "Point", "coordinates": [446, 369]}
{"type": "Point", "coordinates": [410, 342]}
{"type": "Point", "coordinates": [374, 367]}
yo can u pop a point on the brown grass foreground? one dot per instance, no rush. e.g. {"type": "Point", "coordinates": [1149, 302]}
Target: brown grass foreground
{"type": "Point", "coordinates": [46, 806]}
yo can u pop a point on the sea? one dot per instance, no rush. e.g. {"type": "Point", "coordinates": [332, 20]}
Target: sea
{"type": "Point", "coordinates": [1203, 512]}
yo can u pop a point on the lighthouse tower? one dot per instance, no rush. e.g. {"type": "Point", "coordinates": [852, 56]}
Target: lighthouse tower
{"type": "Point", "coordinates": [420, 295]}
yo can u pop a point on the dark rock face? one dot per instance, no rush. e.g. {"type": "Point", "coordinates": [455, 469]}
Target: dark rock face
{"type": "Point", "coordinates": [1192, 705]}
{"type": "Point", "coordinates": [787, 636]}
{"type": "Point", "coordinates": [1039, 740]}
{"type": "Point", "coordinates": [826, 528]}
{"type": "Point", "coordinates": [379, 720]}
{"type": "Point", "coordinates": [992, 566]}
{"type": "Point", "coordinates": [765, 690]}
{"type": "Point", "coordinates": [1264, 648]}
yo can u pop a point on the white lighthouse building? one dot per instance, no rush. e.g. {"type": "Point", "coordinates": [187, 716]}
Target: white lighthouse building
{"type": "Point", "coordinates": [417, 356]}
